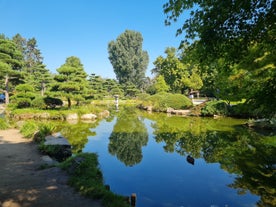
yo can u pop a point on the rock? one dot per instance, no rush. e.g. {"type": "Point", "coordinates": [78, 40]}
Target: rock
{"type": "Point", "coordinates": [88, 117]}
{"type": "Point", "coordinates": [57, 147]}
{"type": "Point", "coordinates": [170, 110]}
{"type": "Point", "coordinates": [48, 160]}
{"type": "Point", "coordinates": [44, 116]}
{"type": "Point", "coordinates": [104, 114]}
{"type": "Point", "coordinates": [72, 116]}
{"type": "Point", "coordinates": [52, 140]}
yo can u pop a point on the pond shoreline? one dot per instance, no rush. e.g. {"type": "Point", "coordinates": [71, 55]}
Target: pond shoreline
{"type": "Point", "coordinates": [21, 159]}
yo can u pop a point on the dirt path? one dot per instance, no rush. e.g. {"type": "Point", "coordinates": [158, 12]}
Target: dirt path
{"type": "Point", "coordinates": [23, 185]}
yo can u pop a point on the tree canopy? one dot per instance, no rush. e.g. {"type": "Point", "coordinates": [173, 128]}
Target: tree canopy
{"type": "Point", "coordinates": [128, 58]}
{"type": "Point", "coordinates": [231, 41]}
{"type": "Point", "coordinates": [71, 80]}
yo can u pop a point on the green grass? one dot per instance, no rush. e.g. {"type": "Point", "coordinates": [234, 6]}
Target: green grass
{"type": "Point", "coordinates": [4, 124]}
{"type": "Point", "coordinates": [87, 178]}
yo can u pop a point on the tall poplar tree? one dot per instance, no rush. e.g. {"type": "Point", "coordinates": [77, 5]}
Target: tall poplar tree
{"type": "Point", "coordinates": [128, 58]}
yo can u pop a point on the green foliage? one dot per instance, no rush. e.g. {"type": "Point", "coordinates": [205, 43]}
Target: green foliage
{"type": "Point", "coordinates": [37, 130]}
{"type": "Point", "coordinates": [86, 177]}
{"type": "Point", "coordinates": [215, 108]}
{"type": "Point", "coordinates": [162, 101]}
{"type": "Point", "coordinates": [44, 129]}
{"type": "Point", "coordinates": [3, 124]}
{"type": "Point", "coordinates": [239, 54]}
{"type": "Point", "coordinates": [51, 102]}
{"type": "Point", "coordinates": [38, 102]}
{"type": "Point", "coordinates": [29, 129]}
{"type": "Point", "coordinates": [71, 79]}
{"type": "Point", "coordinates": [242, 23]}
{"type": "Point", "coordinates": [178, 75]}
{"type": "Point", "coordinates": [128, 137]}
{"type": "Point", "coordinates": [160, 85]}
{"type": "Point", "coordinates": [23, 103]}
{"type": "Point", "coordinates": [128, 59]}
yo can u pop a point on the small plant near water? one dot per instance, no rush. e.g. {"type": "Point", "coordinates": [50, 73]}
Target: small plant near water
{"type": "Point", "coordinates": [37, 131]}
{"type": "Point", "coordinates": [28, 129]}
{"type": "Point", "coordinates": [86, 177]}
{"type": "Point", "coordinates": [3, 124]}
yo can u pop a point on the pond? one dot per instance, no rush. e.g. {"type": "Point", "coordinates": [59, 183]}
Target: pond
{"type": "Point", "coordinates": [171, 161]}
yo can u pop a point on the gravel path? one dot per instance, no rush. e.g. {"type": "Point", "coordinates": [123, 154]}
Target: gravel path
{"type": "Point", "coordinates": [23, 185]}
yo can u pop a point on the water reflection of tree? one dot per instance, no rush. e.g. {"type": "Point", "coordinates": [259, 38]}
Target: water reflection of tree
{"type": "Point", "coordinates": [240, 152]}
{"type": "Point", "coordinates": [77, 134]}
{"type": "Point", "coordinates": [127, 138]}
{"type": "Point", "coordinates": [180, 135]}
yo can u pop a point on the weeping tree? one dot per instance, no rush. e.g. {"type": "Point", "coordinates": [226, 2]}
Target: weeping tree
{"type": "Point", "coordinates": [128, 58]}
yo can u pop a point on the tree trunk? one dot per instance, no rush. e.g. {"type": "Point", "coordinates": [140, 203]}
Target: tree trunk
{"type": "Point", "coordinates": [69, 102]}
{"type": "Point", "coordinates": [7, 98]}
{"type": "Point", "coordinates": [42, 88]}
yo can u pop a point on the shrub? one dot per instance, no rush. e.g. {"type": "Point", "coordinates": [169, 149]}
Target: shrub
{"type": "Point", "coordinates": [29, 129]}
{"type": "Point", "coordinates": [52, 102]}
{"type": "Point", "coordinates": [44, 130]}
{"type": "Point", "coordinates": [3, 124]}
{"type": "Point", "coordinates": [23, 102]}
{"type": "Point", "coordinates": [39, 102]}
{"type": "Point", "coordinates": [215, 108]}
{"type": "Point", "coordinates": [162, 101]}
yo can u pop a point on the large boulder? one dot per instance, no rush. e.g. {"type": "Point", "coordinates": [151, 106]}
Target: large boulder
{"type": "Point", "coordinates": [88, 117]}
{"type": "Point", "coordinates": [57, 147]}
{"type": "Point", "coordinates": [72, 117]}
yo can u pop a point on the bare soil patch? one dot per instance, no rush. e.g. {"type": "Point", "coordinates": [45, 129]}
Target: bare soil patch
{"type": "Point", "coordinates": [23, 184]}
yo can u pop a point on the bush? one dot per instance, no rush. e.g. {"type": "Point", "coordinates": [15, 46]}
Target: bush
{"type": "Point", "coordinates": [29, 129]}
{"type": "Point", "coordinates": [44, 130]}
{"type": "Point", "coordinates": [23, 102]}
{"type": "Point", "coordinates": [3, 124]}
{"type": "Point", "coordinates": [52, 102]}
{"type": "Point", "coordinates": [39, 102]}
{"type": "Point", "coordinates": [215, 108]}
{"type": "Point", "coordinates": [162, 101]}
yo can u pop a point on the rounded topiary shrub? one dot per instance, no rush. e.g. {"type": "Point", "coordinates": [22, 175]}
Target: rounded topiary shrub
{"type": "Point", "coordinates": [38, 102]}
{"type": "Point", "coordinates": [215, 108]}
{"type": "Point", "coordinates": [23, 102]}
{"type": "Point", "coordinates": [162, 101]}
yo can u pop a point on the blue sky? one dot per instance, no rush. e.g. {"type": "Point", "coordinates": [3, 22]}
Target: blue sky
{"type": "Point", "coordinates": [83, 28]}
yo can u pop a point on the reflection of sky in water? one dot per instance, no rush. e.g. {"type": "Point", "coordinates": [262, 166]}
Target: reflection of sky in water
{"type": "Point", "coordinates": [165, 179]}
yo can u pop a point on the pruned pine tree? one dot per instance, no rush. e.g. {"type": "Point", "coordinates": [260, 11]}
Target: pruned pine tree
{"type": "Point", "coordinates": [71, 80]}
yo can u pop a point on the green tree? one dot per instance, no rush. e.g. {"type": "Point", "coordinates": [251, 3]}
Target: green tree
{"type": "Point", "coordinates": [71, 79]}
{"type": "Point", "coordinates": [177, 74]}
{"type": "Point", "coordinates": [35, 71]}
{"type": "Point", "coordinates": [240, 34]}
{"type": "Point", "coordinates": [128, 59]}
{"type": "Point", "coordinates": [160, 84]}
{"type": "Point", "coordinates": [128, 137]}
{"type": "Point", "coordinates": [224, 28]}
{"type": "Point", "coordinates": [11, 62]}
{"type": "Point", "coordinates": [24, 94]}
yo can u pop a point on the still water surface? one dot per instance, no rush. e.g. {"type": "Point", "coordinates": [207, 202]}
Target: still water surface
{"type": "Point", "coordinates": [147, 155]}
